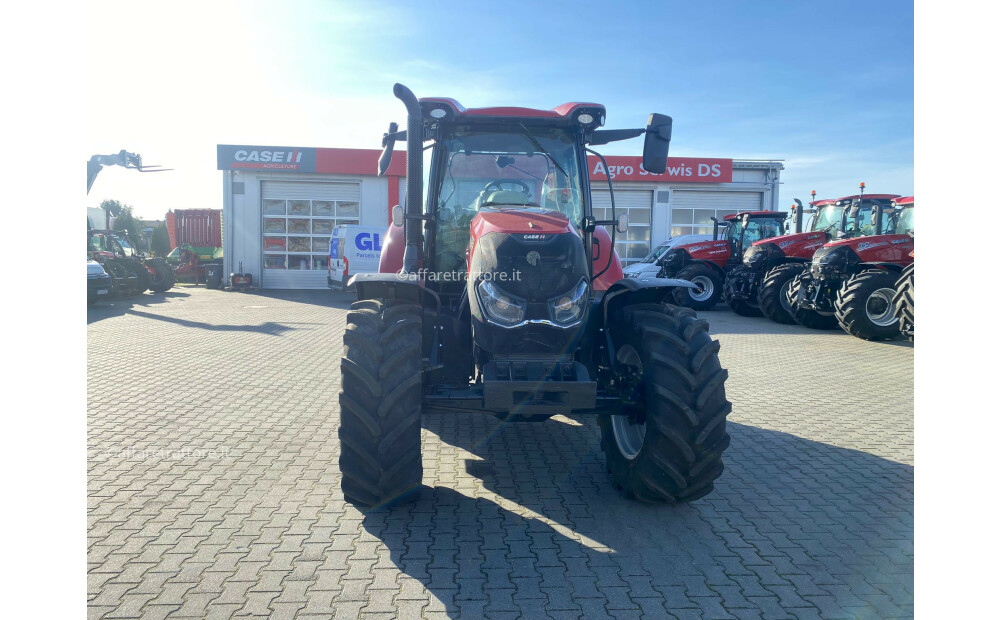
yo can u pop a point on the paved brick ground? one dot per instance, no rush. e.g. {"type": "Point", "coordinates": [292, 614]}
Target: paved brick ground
{"type": "Point", "coordinates": [214, 488]}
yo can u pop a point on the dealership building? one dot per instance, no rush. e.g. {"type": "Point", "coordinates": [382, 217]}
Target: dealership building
{"type": "Point", "coordinates": [280, 204]}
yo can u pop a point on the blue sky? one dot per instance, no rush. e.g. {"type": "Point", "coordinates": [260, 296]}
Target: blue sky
{"type": "Point", "coordinates": [828, 87]}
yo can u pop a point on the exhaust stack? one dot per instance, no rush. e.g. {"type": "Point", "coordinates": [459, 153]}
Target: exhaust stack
{"type": "Point", "coordinates": [412, 254]}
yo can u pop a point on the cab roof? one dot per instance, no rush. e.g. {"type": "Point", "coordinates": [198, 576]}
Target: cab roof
{"type": "Point", "coordinates": [821, 203]}
{"type": "Point", "coordinates": [870, 197]}
{"type": "Point", "coordinates": [903, 201]}
{"type": "Point", "coordinates": [454, 111]}
{"type": "Point", "coordinates": [754, 214]}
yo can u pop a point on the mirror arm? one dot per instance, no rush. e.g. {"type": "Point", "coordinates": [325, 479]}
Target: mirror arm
{"type": "Point", "coordinates": [604, 136]}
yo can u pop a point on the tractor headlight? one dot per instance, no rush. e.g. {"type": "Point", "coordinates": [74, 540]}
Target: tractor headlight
{"type": "Point", "coordinates": [568, 307]}
{"type": "Point", "coordinates": [501, 307]}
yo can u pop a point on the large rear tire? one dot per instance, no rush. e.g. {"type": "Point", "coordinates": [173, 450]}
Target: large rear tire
{"type": "Point", "coordinates": [736, 281]}
{"type": "Point", "coordinates": [864, 305]}
{"type": "Point", "coordinates": [771, 298]}
{"type": "Point", "coordinates": [380, 404]}
{"type": "Point", "coordinates": [803, 316]}
{"type": "Point", "coordinates": [709, 287]}
{"type": "Point", "coordinates": [671, 448]}
{"type": "Point", "coordinates": [162, 279]}
{"type": "Point", "coordinates": [903, 301]}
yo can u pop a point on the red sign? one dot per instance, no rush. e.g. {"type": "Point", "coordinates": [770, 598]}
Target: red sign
{"type": "Point", "coordinates": [679, 170]}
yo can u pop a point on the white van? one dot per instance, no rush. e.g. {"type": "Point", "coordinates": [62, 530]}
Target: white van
{"type": "Point", "coordinates": [354, 249]}
{"type": "Point", "coordinates": [647, 267]}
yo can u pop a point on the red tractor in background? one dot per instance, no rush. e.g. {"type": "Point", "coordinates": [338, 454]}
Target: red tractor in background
{"type": "Point", "coordinates": [903, 299]}
{"type": "Point", "coordinates": [499, 292]}
{"type": "Point", "coordinates": [853, 281]}
{"type": "Point", "coordinates": [710, 264]}
{"type": "Point", "coordinates": [131, 273]}
{"type": "Point", "coordinates": [771, 264]}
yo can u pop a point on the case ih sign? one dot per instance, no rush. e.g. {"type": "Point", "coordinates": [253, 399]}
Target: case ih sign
{"type": "Point", "coordinates": [679, 169]}
{"type": "Point", "coordinates": [365, 162]}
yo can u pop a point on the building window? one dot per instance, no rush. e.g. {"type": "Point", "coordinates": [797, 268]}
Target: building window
{"type": "Point", "coordinates": [296, 233]}
{"type": "Point", "coordinates": [695, 221]}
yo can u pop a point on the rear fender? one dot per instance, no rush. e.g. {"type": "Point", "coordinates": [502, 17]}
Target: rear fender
{"type": "Point", "coordinates": [628, 291]}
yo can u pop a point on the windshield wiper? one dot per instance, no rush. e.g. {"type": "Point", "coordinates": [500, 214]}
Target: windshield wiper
{"type": "Point", "coordinates": [541, 149]}
{"type": "Point", "coordinates": [510, 204]}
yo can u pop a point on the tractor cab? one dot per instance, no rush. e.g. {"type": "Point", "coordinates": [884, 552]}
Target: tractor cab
{"type": "Point", "coordinates": [864, 216]}
{"type": "Point", "coordinates": [748, 227]}
{"type": "Point", "coordinates": [902, 220]}
{"type": "Point", "coordinates": [109, 244]}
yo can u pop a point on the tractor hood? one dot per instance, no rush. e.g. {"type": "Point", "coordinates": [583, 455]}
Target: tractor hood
{"type": "Point", "coordinates": [527, 282]}
{"type": "Point", "coordinates": [878, 248]}
{"type": "Point", "coordinates": [521, 220]}
{"type": "Point", "coordinates": [799, 245]}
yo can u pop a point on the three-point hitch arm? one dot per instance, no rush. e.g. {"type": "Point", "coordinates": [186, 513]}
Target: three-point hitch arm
{"type": "Point", "coordinates": [123, 158]}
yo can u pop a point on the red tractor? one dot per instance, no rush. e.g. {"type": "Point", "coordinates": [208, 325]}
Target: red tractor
{"type": "Point", "coordinates": [903, 299]}
{"type": "Point", "coordinates": [771, 264]}
{"type": "Point", "coordinates": [499, 292]}
{"type": "Point", "coordinates": [710, 264]}
{"type": "Point", "coordinates": [131, 273]}
{"type": "Point", "coordinates": [853, 281]}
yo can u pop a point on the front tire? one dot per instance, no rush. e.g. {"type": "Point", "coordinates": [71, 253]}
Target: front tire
{"type": "Point", "coordinates": [708, 291]}
{"type": "Point", "coordinates": [380, 404]}
{"type": "Point", "coordinates": [673, 452]}
{"type": "Point", "coordinates": [903, 301]}
{"type": "Point", "coordinates": [803, 316]}
{"type": "Point", "coordinates": [736, 280]}
{"type": "Point", "coordinates": [162, 279]}
{"type": "Point", "coordinates": [864, 305]}
{"type": "Point", "coordinates": [772, 296]}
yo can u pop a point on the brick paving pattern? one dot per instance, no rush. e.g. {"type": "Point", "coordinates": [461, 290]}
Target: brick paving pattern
{"type": "Point", "coordinates": [213, 485]}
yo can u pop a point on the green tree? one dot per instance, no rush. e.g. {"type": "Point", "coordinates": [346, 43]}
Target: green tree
{"type": "Point", "coordinates": [125, 222]}
{"type": "Point", "coordinates": [161, 240]}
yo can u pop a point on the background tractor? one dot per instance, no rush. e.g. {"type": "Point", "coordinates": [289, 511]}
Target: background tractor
{"type": "Point", "coordinates": [499, 292]}
{"type": "Point", "coordinates": [708, 265]}
{"type": "Point", "coordinates": [770, 265]}
{"type": "Point", "coordinates": [903, 299]}
{"type": "Point", "coordinates": [853, 281]}
{"type": "Point", "coordinates": [131, 274]}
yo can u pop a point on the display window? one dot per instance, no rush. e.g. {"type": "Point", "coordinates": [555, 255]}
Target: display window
{"type": "Point", "coordinates": [296, 233]}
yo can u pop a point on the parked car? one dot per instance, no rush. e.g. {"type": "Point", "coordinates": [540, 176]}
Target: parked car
{"type": "Point", "coordinates": [354, 249]}
{"type": "Point", "coordinates": [647, 267]}
{"type": "Point", "coordinates": [98, 282]}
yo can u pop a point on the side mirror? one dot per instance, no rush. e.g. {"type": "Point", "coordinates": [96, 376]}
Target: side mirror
{"type": "Point", "coordinates": [397, 216]}
{"type": "Point", "coordinates": [388, 142]}
{"type": "Point", "coordinates": [622, 224]}
{"type": "Point", "coordinates": [657, 145]}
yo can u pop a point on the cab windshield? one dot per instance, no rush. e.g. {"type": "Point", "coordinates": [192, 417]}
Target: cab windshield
{"type": "Point", "coordinates": [656, 254]}
{"type": "Point", "coordinates": [904, 225]}
{"type": "Point", "coordinates": [511, 167]}
{"type": "Point", "coordinates": [515, 167]}
{"type": "Point", "coordinates": [828, 219]}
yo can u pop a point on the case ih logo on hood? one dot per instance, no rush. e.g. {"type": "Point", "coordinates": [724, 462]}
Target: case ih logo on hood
{"type": "Point", "coordinates": [534, 237]}
{"type": "Point", "coordinates": [864, 245]}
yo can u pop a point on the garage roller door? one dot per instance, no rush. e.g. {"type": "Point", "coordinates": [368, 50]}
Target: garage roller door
{"type": "Point", "coordinates": [638, 204]}
{"type": "Point", "coordinates": [297, 220]}
{"type": "Point", "coordinates": [691, 212]}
